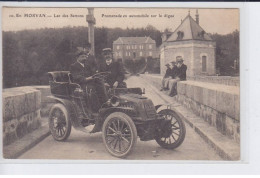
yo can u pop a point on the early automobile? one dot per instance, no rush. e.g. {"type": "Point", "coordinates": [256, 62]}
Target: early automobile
{"type": "Point", "coordinates": [126, 115]}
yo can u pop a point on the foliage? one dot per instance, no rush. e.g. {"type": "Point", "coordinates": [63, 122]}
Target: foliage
{"type": "Point", "coordinates": [135, 66]}
{"type": "Point", "coordinates": [153, 65]}
{"type": "Point", "coordinates": [29, 54]}
{"type": "Point", "coordinates": [227, 51]}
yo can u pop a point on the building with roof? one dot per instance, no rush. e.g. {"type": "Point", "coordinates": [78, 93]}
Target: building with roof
{"type": "Point", "coordinates": [193, 44]}
{"type": "Point", "coordinates": [135, 48]}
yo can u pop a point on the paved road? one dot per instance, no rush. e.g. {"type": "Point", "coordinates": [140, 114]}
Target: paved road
{"type": "Point", "coordinates": [85, 146]}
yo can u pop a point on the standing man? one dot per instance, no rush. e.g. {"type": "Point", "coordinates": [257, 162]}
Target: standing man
{"type": "Point", "coordinates": [116, 78]}
{"type": "Point", "coordinates": [179, 76]}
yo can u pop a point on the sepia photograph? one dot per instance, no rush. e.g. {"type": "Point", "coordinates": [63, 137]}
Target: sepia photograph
{"type": "Point", "coordinates": [121, 83]}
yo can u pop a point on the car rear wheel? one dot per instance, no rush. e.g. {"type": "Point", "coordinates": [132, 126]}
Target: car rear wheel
{"type": "Point", "coordinates": [119, 134]}
{"type": "Point", "coordinates": [59, 122]}
{"type": "Point", "coordinates": [175, 132]}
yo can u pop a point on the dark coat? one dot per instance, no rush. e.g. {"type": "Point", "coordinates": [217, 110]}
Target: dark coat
{"type": "Point", "coordinates": [117, 72]}
{"type": "Point", "coordinates": [173, 72]}
{"type": "Point", "coordinates": [91, 61]}
{"type": "Point", "coordinates": [181, 72]}
{"type": "Point", "coordinates": [79, 73]}
{"type": "Point", "coordinates": [167, 73]}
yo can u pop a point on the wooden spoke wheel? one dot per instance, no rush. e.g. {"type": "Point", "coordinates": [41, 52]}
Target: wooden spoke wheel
{"type": "Point", "coordinates": [59, 122]}
{"type": "Point", "coordinates": [175, 132]}
{"type": "Point", "coordinates": [119, 134]}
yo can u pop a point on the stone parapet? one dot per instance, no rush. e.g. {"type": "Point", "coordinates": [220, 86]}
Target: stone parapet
{"type": "Point", "coordinates": [217, 104]}
{"type": "Point", "coordinates": [21, 112]}
{"type": "Point", "coordinates": [225, 80]}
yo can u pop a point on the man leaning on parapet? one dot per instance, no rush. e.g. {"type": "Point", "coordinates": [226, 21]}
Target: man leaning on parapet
{"type": "Point", "coordinates": [180, 75]}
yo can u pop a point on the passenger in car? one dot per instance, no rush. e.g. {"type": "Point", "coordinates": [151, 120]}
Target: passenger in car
{"type": "Point", "coordinates": [116, 77]}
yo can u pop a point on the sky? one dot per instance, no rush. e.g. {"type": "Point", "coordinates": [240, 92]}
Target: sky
{"type": "Point", "coordinates": [222, 21]}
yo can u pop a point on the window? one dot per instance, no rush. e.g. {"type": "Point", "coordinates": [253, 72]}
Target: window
{"type": "Point", "coordinates": [204, 64]}
{"type": "Point", "coordinates": [119, 54]}
{"type": "Point", "coordinates": [180, 35]}
{"type": "Point", "coordinates": [135, 46]}
{"type": "Point", "coordinates": [117, 47]}
{"type": "Point", "coordinates": [141, 53]}
{"type": "Point", "coordinates": [134, 54]}
{"type": "Point", "coordinates": [126, 53]}
{"type": "Point", "coordinates": [150, 46]}
{"type": "Point", "coordinates": [129, 54]}
{"type": "Point", "coordinates": [150, 53]}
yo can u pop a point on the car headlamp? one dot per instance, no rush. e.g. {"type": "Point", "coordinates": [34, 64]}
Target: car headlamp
{"type": "Point", "coordinates": [114, 101]}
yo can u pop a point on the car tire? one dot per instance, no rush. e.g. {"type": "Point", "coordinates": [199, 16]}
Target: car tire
{"type": "Point", "coordinates": [59, 122]}
{"type": "Point", "coordinates": [119, 134]}
{"type": "Point", "coordinates": [178, 130]}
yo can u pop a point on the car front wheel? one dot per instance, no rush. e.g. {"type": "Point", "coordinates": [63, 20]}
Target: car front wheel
{"type": "Point", "coordinates": [119, 134]}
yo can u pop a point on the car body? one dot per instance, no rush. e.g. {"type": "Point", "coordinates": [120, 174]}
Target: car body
{"type": "Point", "coordinates": [126, 115]}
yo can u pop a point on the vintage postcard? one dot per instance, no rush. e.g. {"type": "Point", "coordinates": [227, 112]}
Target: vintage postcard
{"type": "Point", "coordinates": [126, 83]}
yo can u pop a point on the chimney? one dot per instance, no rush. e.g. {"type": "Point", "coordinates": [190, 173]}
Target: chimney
{"type": "Point", "coordinates": [197, 17]}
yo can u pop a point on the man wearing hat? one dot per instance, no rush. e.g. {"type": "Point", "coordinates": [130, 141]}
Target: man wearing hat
{"type": "Point", "coordinates": [168, 75]}
{"type": "Point", "coordinates": [180, 75]}
{"type": "Point", "coordinates": [90, 60]}
{"type": "Point", "coordinates": [82, 72]}
{"type": "Point", "coordinates": [116, 78]}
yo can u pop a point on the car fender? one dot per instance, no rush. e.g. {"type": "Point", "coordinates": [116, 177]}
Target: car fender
{"type": "Point", "coordinates": [160, 107]}
{"type": "Point", "coordinates": [70, 108]}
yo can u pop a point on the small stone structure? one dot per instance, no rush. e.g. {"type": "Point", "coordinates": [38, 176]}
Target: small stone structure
{"type": "Point", "coordinates": [193, 44]}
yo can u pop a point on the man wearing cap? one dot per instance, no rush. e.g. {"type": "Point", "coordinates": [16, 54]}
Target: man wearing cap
{"type": "Point", "coordinates": [180, 75]}
{"type": "Point", "coordinates": [116, 78]}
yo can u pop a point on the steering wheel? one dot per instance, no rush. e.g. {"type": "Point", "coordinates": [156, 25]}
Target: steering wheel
{"type": "Point", "coordinates": [101, 75]}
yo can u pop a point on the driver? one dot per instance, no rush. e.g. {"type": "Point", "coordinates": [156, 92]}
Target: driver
{"type": "Point", "coordinates": [116, 78]}
{"type": "Point", "coordinates": [82, 72]}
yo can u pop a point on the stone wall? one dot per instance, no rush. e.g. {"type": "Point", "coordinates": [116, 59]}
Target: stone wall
{"type": "Point", "coordinates": [215, 103]}
{"type": "Point", "coordinates": [21, 112]}
{"type": "Point", "coordinates": [226, 80]}
{"type": "Point", "coordinates": [23, 108]}
{"type": "Point", "coordinates": [46, 102]}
